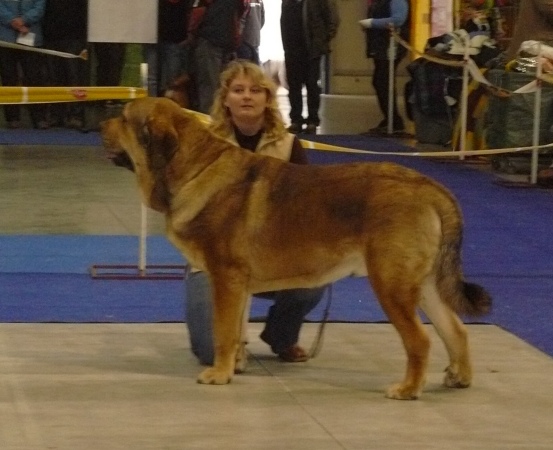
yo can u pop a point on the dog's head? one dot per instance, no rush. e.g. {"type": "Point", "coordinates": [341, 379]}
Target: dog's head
{"type": "Point", "coordinates": [143, 136]}
{"type": "Point", "coordinates": [144, 139]}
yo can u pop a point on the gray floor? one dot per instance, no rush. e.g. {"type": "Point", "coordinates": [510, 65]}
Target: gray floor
{"type": "Point", "coordinates": [98, 386]}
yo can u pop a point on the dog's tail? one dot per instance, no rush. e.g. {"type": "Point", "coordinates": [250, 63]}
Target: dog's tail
{"type": "Point", "coordinates": [465, 298]}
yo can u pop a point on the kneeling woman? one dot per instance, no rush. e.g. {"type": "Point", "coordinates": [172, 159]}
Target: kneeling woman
{"type": "Point", "coordinates": [245, 112]}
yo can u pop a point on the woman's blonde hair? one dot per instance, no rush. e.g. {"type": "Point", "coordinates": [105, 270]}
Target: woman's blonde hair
{"type": "Point", "coordinates": [221, 121]}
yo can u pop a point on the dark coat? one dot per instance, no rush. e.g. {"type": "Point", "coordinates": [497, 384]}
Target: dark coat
{"type": "Point", "coordinates": [318, 26]}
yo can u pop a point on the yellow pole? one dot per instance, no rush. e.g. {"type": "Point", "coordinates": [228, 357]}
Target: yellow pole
{"type": "Point", "coordinates": [47, 94]}
{"type": "Point", "coordinates": [420, 23]}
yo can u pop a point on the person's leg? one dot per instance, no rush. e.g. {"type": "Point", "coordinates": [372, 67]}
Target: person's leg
{"type": "Point", "coordinates": [295, 70]}
{"type": "Point", "coordinates": [313, 93]}
{"type": "Point", "coordinates": [151, 55]}
{"type": "Point", "coordinates": [110, 59]}
{"type": "Point", "coordinates": [286, 316]}
{"type": "Point", "coordinates": [380, 83]}
{"type": "Point", "coordinates": [9, 76]}
{"type": "Point", "coordinates": [56, 77]}
{"type": "Point", "coordinates": [199, 316]}
{"type": "Point", "coordinates": [208, 63]}
{"type": "Point", "coordinates": [172, 64]}
{"type": "Point", "coordinates": [35, 74]}
{"type": "Point", "coordinates": [77, 75]}
{"type": "Point", "coordinates": [67, 72]}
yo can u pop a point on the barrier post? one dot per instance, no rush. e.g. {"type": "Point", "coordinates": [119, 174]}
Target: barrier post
{"type": "Point", "coordinates": [464, 102]}
{"type": "Point", "coordinates": [537, 120]}
{"type": "Point", "coordinates": [142, 242]}
{"type": "Point", "coordinates": [391, 81]}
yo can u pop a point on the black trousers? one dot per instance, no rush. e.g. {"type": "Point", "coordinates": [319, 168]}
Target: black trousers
{"type": "Point", "coordinates": [302, 71]}
{"type": "Point", "coordinates": [110, 59]}
{"type": "Point", "coordinates": [67, 72]}
{"type": "Point", "coordinates": [33, 73]}
{"type": "Point", "coordinates": [380, 83]}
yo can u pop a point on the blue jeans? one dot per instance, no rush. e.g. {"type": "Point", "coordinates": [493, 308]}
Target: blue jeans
{"type": "Point", "coordinates": [166, 61]}
{"type": "Point", "coordinates": [282, 327]}
{"type": "Point", "coordinates": [207, 61]}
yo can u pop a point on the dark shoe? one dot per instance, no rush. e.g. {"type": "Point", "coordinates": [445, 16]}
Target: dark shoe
{"type": "Point", "coordinates": [311, 128]}
{"type": "Point", "coordinates": [294, 128]}
{"type": "Point", "coordinates": [382, 128]}
{"type": "Point", "coordinates": [42, 125]}
{"type": "Point", "coordinates": [14, 124]}
{"type": "Point", "coordinates": [294, 354]}
{"type": "Point", "coordinates": [74, 122]}
{"type": "Point", "coordinates": [545, 177]}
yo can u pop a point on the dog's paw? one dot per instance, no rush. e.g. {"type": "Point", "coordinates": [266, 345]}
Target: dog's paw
{"type": "Point", "coordinates": [214, 376]}
{"type": "Point", "coordinates": [241, 359]}
{"type": "Point", "coordinates": [453, 379]}
{"type": "Point", "coordinates": [402, 392]}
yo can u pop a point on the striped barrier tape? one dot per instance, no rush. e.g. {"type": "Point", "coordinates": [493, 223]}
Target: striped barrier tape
{"type": "Point", "coordinates": [83, 55]}
{"type": "Point", "coordinates": [310, 145]}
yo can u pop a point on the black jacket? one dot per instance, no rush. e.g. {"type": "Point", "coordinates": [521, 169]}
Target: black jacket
{"type": "Point", "coordinates": [378, 40]}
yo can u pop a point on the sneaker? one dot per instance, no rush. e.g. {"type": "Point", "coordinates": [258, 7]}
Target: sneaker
{"type": "Point", "coordinates": [311, 128]}
{"type": "Point", "coordinates": [293, 354]}
{"type": "Point", "coordinates": [42, 125]}
{"type": "Point", "coordinates": [294, 128]}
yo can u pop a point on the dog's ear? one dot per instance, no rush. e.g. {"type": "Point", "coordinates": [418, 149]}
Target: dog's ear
{"type": "Point", "coordinates": [161, 140]}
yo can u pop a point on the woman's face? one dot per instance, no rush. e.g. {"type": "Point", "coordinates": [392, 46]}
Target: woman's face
{"type": "Point", "coordinates": [245, 99]}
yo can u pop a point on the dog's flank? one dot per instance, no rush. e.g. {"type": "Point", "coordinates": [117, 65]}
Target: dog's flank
{"type": "Point", "coordinates": [258, 224]}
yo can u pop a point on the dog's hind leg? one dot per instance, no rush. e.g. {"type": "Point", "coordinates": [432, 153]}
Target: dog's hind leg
{"type": "Point", "coordinates": [453, 333]}
{"type": "Point", "coordinates": [399, 302]}
{"type": "Point", "coordinates": [229, 300]}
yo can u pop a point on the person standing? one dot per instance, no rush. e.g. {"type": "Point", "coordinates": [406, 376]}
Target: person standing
{"type": "Point", "coordinates": [21, 22]}
{"type": "Point", "coordinates": [250, 38]}
{"type": "Point", "coordinates": [65, 30]}
{"type": "Point", "coordinates": [382, 15]}
{"type": "Point", "coordinates": [307, 28]}
{"type": "Point", "coordinates": [245, 112]}
{"type": "Point", "coordinates": [110, 60]}
{"type": "Point", "coordinates": [214, 36]}
{"type": "Point", "coordinates": [167, 59]}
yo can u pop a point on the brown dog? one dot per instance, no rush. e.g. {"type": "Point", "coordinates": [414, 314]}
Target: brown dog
{"type": "Point", "coordinates": [255, 224]}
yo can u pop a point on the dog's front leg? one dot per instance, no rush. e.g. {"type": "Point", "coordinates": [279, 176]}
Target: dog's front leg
{"type": "Point", "coordinates": [229, 300]}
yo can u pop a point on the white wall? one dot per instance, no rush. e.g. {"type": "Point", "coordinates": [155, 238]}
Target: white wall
{"type": "Point", "coordinates": [271, 41]}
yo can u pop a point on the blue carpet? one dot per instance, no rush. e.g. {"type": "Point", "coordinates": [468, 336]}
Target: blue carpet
{"type": "Point", "coordinates": [49, 137]}
{"type": "Point", "coordinates": [507, 249]}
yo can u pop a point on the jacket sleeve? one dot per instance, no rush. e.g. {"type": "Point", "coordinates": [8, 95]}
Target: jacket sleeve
{"type": "Point", "coordinates": [6, 14]}
{"type": "Point", "coordinates": [35, 13]}
{"type": "Point", "coordinates": [399, 9]}
{"type": "Point", "coordinates": [333, 18]}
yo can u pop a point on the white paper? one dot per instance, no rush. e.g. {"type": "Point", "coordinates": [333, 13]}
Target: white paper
{"type": "Point", "coordinates": [26, 39]}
